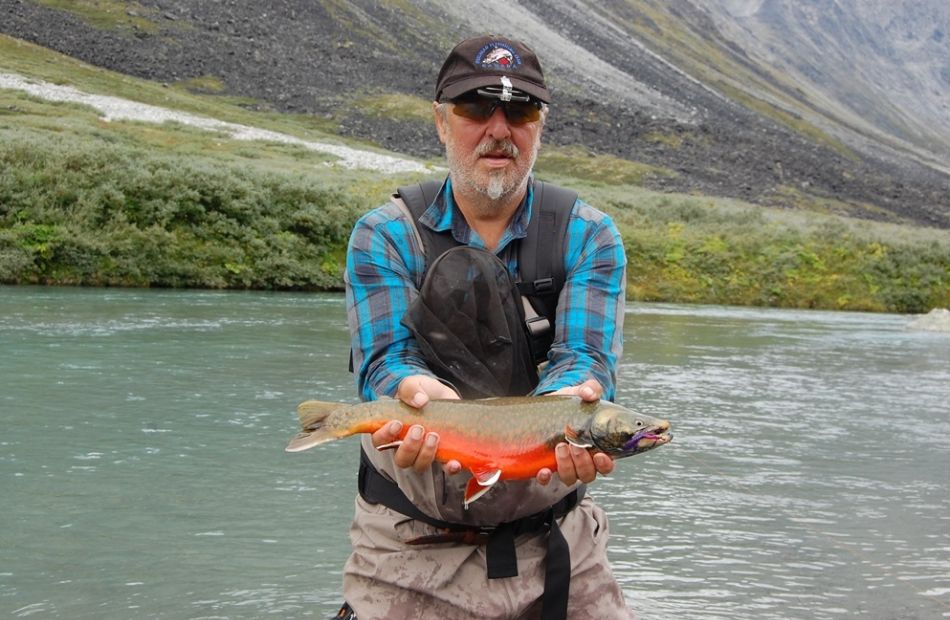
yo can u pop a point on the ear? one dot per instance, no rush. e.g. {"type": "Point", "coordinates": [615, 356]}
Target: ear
{"type": "Point", "coordinates": [441, 122]}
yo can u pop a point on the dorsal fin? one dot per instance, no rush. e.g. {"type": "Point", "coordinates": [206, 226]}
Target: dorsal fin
{"type": "Point", "coordinates": [312, 413]}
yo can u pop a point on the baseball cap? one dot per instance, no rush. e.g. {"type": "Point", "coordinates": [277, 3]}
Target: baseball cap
{"type": "Point", "coordinates": [491, 61]}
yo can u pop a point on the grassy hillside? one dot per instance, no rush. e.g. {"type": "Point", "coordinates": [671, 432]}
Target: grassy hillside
{"type": "Point", "coordinates": [89, 202]}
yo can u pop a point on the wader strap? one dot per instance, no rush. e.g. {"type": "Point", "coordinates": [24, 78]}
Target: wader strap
{"type": "Point", "coordinates": [500, 552]}
{"type": "Point", "coordinates": [557, 574]}
{"type": "Point", "coordinates": [503, 560]}
{"type": "Point", "coordinates": [501, 557]}
{"type": "Point", "coordinates": [376, 489]}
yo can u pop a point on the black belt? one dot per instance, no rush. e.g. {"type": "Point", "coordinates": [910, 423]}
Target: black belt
{"type": "Point", "coordinates": [502, 558]}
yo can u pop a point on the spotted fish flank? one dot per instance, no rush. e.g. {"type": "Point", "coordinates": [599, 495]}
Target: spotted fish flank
{"type": "Point", "coordinates": [497, 438]}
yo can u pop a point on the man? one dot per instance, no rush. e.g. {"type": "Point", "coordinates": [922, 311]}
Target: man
{"type": "Point", "coordinates": [490, 107]}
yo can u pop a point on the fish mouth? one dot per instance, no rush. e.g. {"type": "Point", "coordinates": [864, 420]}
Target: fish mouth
{"type": "Point", "coordinates": [647, 440]}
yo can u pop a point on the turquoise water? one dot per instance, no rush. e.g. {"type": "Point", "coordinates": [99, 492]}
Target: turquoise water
{"type": "Point", "coordinates": [143, 475]}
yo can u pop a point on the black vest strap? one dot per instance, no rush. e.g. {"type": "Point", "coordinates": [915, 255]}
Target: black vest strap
{"type": "Point", "coordinates": [502, 559]}
{"type": "Point", "coordinates": [418, 197]}
{"type": "Point", "coordinates": [541, 259]}
{"type": "Point", "coordinates": [542, 270]}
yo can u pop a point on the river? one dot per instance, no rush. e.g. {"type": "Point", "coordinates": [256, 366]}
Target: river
{"type": "Point", "coordinates": [142, 471]}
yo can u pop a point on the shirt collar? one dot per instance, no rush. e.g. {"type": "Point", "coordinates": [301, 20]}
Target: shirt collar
{"type": "Point", "coordinates": [443, 215]}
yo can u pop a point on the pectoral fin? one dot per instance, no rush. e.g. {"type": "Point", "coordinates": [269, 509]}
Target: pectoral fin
{"type": "Point", "coordinates": [392, 445]}
{"type": "Point", "coordinates": [573, 437]}
{"type": "Point", "coordinates": [480, 483]}
{"type": "Point", "coordinates": [487, 477]}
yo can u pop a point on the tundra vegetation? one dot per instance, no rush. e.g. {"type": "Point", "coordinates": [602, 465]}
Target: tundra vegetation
{"type": "Point", "coordinates": [84, 201]}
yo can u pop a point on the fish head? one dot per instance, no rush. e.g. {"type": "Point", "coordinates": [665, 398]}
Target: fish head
{"type": "Point", "coordinates": [620, 432]}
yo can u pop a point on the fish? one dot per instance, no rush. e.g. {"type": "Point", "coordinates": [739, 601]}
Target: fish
{"type": "Point", "coordinates": [509, 438]}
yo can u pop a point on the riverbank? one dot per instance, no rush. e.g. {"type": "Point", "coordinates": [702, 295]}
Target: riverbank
{"type": "Point", "coordinates": [127, 202]}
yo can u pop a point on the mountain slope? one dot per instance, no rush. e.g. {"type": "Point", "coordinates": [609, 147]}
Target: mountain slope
{"type": "Point", "coordinates": [664, 83]}
{"type": "Point", "coordinates": [884, 65]}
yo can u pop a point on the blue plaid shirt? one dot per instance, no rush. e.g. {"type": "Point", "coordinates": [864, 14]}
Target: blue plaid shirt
{"type": "Point", "coordinates": [384, 271]}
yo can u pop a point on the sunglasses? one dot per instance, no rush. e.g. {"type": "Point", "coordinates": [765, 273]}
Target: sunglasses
{"type": "Point", "coordinates": [481, 109]}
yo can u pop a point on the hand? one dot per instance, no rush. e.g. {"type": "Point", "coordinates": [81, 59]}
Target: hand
{"type": "Point", "coordinates": [577, 464]}
{"type": "Point", "coordinates": [418, 448]}
{"type": "Point", "coordinates": [588, 391]}
{"type": "Point", "coordinates": [417, 390]}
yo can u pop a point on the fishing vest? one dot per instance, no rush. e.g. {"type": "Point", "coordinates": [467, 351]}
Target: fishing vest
{"type": "Point", "coordinates": [540, 253]}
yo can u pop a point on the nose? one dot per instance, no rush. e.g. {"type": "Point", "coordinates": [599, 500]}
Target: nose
{"type": "Point", "coordinates": [497, 125]}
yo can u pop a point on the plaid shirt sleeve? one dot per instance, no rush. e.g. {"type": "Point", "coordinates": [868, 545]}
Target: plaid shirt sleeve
{"type": "Point", "coordinates": [588, 336]}
{"type": "Point", "coordinates": [383, 268]}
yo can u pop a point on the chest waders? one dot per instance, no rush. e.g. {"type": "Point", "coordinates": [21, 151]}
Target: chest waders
{"type": "Point", "coordinates": [484, 333]}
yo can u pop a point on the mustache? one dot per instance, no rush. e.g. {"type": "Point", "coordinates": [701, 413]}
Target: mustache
{"type": "Point", "coordinates": [505, 147]}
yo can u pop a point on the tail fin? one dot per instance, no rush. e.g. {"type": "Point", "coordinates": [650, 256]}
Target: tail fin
{"type": "Point", "coordinates": [312, 414]}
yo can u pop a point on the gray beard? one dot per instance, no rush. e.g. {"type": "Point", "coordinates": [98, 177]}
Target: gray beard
{"type": "Point", "coordinates": [496, 187]}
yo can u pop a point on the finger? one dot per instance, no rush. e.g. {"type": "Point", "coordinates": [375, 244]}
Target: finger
{"type": "Point", "coordinates": [448, 393]}
{"type": "Point", "coordinates": [417, 390]}
{"type": "Point", "coordinates": [434, 388]}
{"type": "Point", "coordinates": [411, 444]}
{"type": "Point", "coordinates": [411, 393]}
{"type": "Point", "coordinates": [583, 464]}
{"type": "Point", "coordinates": [544, 476]}
{"type": "Point", "coordinates": [426, 453]}
{"type": "Point", "coordinates": [591, 390]}
{"type": "Point", "coordinates": [387, 434]}
{"type": "Point", "coordinates": [603, 463]}
{"type": "Point", "coordinates": [452, 467]}
{"type": "Point", "coordinates": [565, 464]}
{"type": "Point", "coordinates": [419, 399]}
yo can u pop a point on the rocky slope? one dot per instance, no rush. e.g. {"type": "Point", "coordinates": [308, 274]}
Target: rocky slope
{"type": "Point", "coordinates": [666, 83]}
{"type": "Point", "coordinates": [883, 64]}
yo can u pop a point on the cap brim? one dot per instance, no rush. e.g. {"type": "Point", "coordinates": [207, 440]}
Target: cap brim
{"type": "Point", "coordinates": [460, 88]}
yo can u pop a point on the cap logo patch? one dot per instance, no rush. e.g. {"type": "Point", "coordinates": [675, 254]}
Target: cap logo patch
{"type": "Point", "coordinates": [497, 55]}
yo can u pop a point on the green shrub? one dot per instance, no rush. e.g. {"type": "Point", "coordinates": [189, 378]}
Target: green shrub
{"type": "Point", "coordinates": [690, 250]}
{"type": "Point", "coordinates": [81, 212]}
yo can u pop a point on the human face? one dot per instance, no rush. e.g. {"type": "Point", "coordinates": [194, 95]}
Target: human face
{"type": "Point", "coordinates": [490, 158]}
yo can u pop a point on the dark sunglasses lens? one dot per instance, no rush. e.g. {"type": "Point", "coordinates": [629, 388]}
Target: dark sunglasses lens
{"type": "Point", "coordinates": [517, 113]}
{"type": "Point", "coordinates": [521, 113]}
{"type": "Point", "coordinates": [476, 109]}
